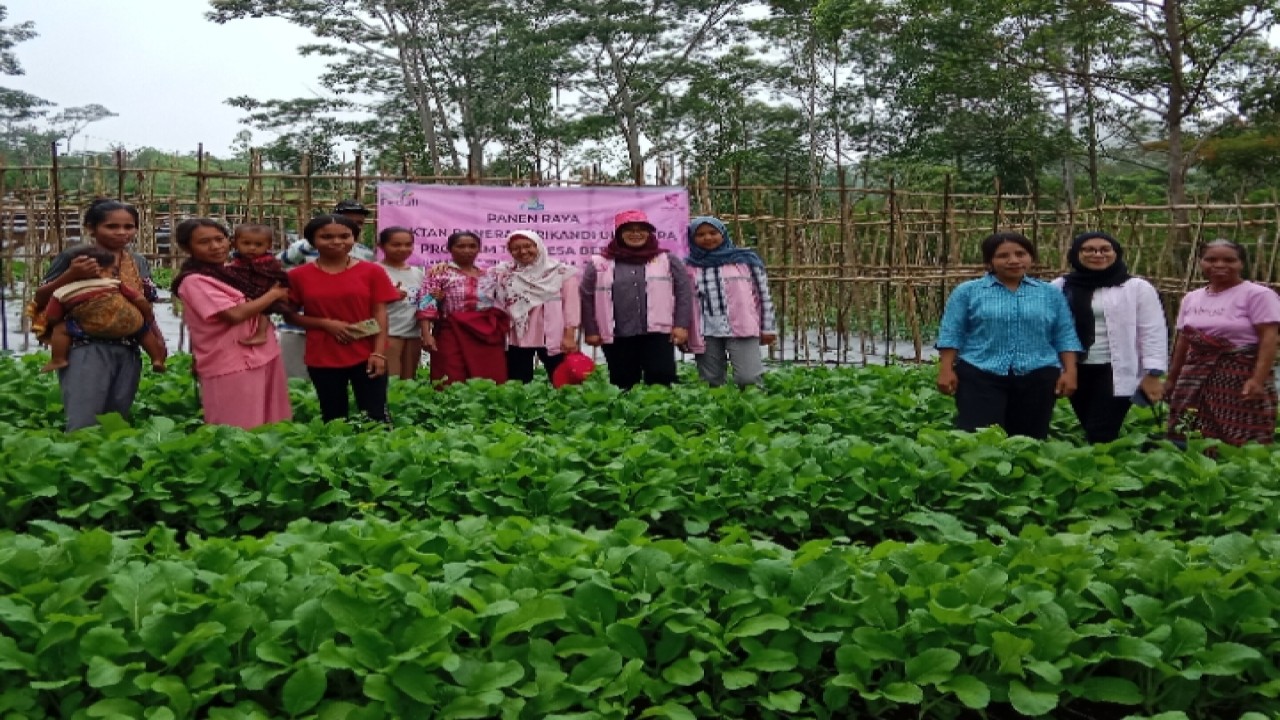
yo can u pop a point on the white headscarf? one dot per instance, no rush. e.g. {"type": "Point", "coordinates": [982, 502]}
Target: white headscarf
{"type": "Point", "coordinates": [521, 288]}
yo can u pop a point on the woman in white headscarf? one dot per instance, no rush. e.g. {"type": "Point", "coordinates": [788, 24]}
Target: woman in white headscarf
{"type": "Point", "coordinates": [541, 296]}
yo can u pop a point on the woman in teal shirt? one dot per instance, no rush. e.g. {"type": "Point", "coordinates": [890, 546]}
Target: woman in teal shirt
{"type": "Point", "coordinates": [1007, 343]}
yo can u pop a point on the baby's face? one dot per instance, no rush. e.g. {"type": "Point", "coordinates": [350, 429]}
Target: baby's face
{"type": "Point", "coordinates": [252, 245]}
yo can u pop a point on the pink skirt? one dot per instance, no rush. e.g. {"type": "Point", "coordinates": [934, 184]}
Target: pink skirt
{"type": "Point", "coordinates": [248, 398]}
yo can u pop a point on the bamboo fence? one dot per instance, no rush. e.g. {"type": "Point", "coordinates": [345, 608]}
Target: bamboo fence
{"type": "Point", "coordinates": [857, 272]}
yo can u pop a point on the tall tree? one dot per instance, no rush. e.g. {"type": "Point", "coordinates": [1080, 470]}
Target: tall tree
{"type": "Point", "coordinates": [466, 68]}
{"type": "Point", "coordinates": [631, 60]}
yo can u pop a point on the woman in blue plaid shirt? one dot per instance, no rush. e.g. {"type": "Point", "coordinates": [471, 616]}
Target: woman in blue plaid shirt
{"type": "Point", "coordinates": [1007, 343]}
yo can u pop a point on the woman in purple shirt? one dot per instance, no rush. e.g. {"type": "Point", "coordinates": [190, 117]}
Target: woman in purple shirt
{"type": "Point", "coordinates": [1221, 381]}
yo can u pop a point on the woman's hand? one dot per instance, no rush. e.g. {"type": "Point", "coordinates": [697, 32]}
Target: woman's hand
{"type": "Point", "coordinates": [948, 381]}
{"type": "Point", "coordinates": [376, 366]}
{"type": "Point", "coordinates": [679, 336]}
{"type": "Point", "coordinates": [277, 293]}
{"type": "Point", "coordinates": [83, 268]}
{"type": "Point", "coordinates": [1254, 389]}
{"type": "Point", "coordinates": [593, 340]}
{"type": "Point", "coordinates": [1066, 384]}
{"type": "Point", "coordinates": [1153, 388]}
{"type": "Point", "coordinates": [569, 344]}
{"type": "Point", "coordinates": [339, 330]}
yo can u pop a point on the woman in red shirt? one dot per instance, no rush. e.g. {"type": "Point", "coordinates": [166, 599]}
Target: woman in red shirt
{"type": "Point", "coordinates": [344, 312]}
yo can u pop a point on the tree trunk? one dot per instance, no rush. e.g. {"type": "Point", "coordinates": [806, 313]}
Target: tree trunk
{"type": "Point", "coordinates": [1173, 120]}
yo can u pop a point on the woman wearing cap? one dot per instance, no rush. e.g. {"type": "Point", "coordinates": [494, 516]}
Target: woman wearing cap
{"type": "Point", "coordinates": [541, 297]}
{"type": "Point", "coordinates": [462, 328]}
{"type": "Point", "coordinates": [637, 303]}
{"type": "Point", "coordinates": [1121, 325]}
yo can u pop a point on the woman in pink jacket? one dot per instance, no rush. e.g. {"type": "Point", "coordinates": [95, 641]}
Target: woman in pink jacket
{"type": "Point", "coordinates": [637, 303]}
{"type": "Point", "coordinates": [541, 296]}
{"type": "Point", "coordinates": [734, 314]}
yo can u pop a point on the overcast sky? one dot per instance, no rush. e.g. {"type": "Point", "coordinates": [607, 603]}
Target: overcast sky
{"type": "Point", "coordinates": [160, 65]}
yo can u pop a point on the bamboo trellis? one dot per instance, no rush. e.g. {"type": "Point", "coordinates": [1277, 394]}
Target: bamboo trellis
{"type": "Point", "coordinates": [857, 272]}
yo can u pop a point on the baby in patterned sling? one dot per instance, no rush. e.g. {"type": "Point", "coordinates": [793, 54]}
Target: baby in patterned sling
{"type": "Point", "coordinates": [101, 308]}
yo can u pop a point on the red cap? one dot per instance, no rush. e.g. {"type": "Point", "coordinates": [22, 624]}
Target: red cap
{"type": "Point", "coordinates": [632, 216]}
{"type": "Point", "coordinates": [573, 370]}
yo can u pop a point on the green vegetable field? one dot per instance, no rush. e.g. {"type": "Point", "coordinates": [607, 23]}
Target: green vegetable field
{"type": "Point", "coordinates": [824, 548]}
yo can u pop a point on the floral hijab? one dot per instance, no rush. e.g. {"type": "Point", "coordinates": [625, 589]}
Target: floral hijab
{"type": "Point", "coordinates": [521, 288]}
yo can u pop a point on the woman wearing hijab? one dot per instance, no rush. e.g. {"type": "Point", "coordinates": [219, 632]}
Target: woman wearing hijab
{"type": "Point", "coordinates": [541, 296]}
{"type": "Point", "coordinates": [637, 303]}
{"type": "Point", "coordinates": [735, 312]}
{"type": "Point", "coordinates": [1122, 327]}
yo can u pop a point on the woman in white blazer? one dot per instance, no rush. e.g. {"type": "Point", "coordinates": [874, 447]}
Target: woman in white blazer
{"type": "Point", "coordinates": [1123, 329]}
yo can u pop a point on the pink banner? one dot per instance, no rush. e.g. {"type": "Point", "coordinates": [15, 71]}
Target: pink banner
{"type": "Point", "coordinates": [574, 222]}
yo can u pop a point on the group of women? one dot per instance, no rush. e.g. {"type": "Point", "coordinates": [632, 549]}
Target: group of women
{"type": "Point", "coordinates": [635, 301]}
{"type": "Point", "coordinates": [365, 320]}
{"type": "Point", "coordinates": [1010, 345]}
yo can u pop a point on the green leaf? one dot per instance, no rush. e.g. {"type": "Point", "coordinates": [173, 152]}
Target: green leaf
{"type": "Point", "coordinates": [738, 679]}
{"type": "Point", "coordinates": [1226, 658]}
{"type": "Point", "coordinates": [758, 625]}
{"type": "Point", "coordinates": [529, 616]}
{"type": "Point", "coordinates": [627, 640]}
{"type": "Point", "coordinates": [671, 711]}
{"type": "Point", "coordinates": [932, 666]}
{"type": "Point", "coordinates": [971, 691]}
{"type": "Point", "coordinates": [465, 707]}
{"type": "Point", "coordinates": [786, 701]}
{"type": "Point", "coordinates": [903, 692]}
{"type": "Point", "coordinates": [304, 688]}
{"type": "Point", "coordinates": [114, 708]}
{"type": "Point", "coordinates": [103, 673]}
{"type": "Point", "coordinates": [1009, 650]}
{"type": "Point", "coordinates": [770, 660]}
{"type": "Point", "coordinates": [481, 677]}
{"type": "Point", "coordinates": [1111, 689]}
{"type": "Point", "coordinates": [683, 672]}
{"type": "Point", "coordinates": [1030, 702]}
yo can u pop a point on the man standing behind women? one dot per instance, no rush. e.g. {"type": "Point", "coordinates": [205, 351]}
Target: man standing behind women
{"type": "Point", "coordinates": [637, 303]}
{"type": "Point", "coordinates": [461, 328]}
{"type": "Point", "coordinates": [1007, 343]}
{"type": "Point", "coordinates": [241, 383]}
{"type": "Point", "coordinates": [541, 297]}
{"type": "Point", "coordinates": [1121, 326]}
{"type": "Point", "coordinates": [1221, 381]}
{"type": "Point", "coordinates": [102, 375]}
{"type": "Point", "coordinates": [736, 311]}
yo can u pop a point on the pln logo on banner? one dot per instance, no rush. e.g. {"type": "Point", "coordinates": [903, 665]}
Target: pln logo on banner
{"type": "Point", "coordinates": [533, 203]}
{"type": "Point", "coordinates": [397, 197]}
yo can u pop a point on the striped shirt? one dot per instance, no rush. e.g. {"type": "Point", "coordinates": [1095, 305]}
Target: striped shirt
{"type": "Point", "coordinates": [1002, 331]}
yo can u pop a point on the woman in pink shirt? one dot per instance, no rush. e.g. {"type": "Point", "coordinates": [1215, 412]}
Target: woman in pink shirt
{"type": "Point", "coordinates": [541, 296]}
{"type": "Point", "coordinates": [241, 385]}
{"type": "Point", "coordinates": [1221, 382]}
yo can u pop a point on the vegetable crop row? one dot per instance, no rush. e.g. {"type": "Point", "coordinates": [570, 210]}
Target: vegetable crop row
{"type": "Point", "coordinates": [868, 402]}
{"type": "Point", "coordinates": [523, 619]}
{"type": "Point", "coordinates": [941, 485]}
